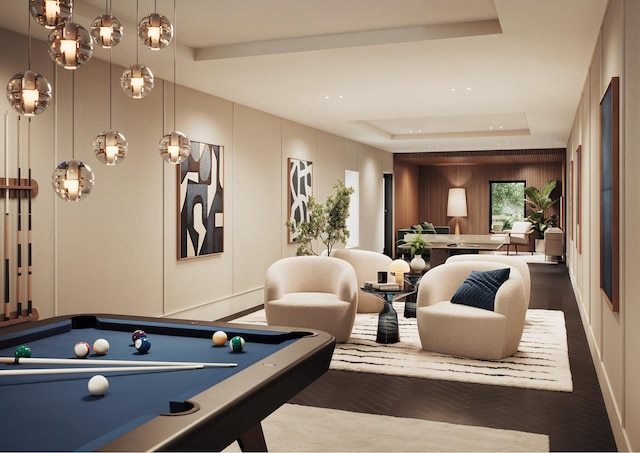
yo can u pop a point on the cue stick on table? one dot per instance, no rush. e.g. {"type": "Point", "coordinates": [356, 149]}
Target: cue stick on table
{"type": "Point", "coordinates": [125, 369]}
{"type": "Point", "coordinates": [53, 361]}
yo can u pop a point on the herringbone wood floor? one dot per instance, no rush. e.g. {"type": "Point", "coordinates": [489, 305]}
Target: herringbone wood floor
{"type": "Point", "coordinates": [575, 421]}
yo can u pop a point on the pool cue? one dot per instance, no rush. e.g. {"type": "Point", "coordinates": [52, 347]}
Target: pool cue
{"type": "Point", "coordinates": [79, 361]}
{"type": "Point", "coordinates": [19, 238]}
{"type": "Point", "coordinates": [7, 288]}
{"type": "Point", "coordinates": [126, 369]}
{"type": "Point", "coordinates": [29, 242]}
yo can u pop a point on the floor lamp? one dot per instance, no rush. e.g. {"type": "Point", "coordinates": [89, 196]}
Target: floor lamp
{"type": "Point", "coordinates": [457, 205]}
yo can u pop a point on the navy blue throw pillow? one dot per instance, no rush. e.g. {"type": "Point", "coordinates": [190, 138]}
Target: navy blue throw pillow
{"type": "Point", "coordinates": [480, 288]}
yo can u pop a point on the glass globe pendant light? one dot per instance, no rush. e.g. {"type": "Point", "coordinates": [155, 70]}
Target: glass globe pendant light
{"type": "Point", "coordinates": [110, 146]}
{"type": "Point", "coordinates": [155, 31]}
{"type": "Point", "coordinates": [72, 180]}
{"type": "Point", "coordinates": [137, 80]}
{"type": "Point", "coordinates": [51, 13]}
{"type": "Point", "coordinates": [28, 92]}
{"type": "Point", "coordinates": [106, 30]}
{"type": "Point", "coordinates": [70, 46]}
{"type": "Point", "coordinates": [175, 146]}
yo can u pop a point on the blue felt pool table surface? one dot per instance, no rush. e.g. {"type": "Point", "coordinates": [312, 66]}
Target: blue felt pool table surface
{"type": "Point", "coordinates": [57, 412]}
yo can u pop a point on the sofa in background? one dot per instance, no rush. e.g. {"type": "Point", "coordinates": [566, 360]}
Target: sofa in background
{"type": "Point", "coordinates": [427, 228]}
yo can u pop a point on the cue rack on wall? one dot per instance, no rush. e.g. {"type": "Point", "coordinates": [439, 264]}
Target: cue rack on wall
{"type": "Point", "coordinates": [17, 193]}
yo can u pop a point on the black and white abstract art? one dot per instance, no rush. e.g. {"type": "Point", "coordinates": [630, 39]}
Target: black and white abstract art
{"type": "Point", "coordinates": [200, 198]}
{"type": "Point", "coordinates": [300, 189]}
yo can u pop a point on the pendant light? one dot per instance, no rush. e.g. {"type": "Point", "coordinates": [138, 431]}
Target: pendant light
{"type": "Point", "coordinates": [28, 92]}
{"type": "Point", "coordinates": [72, 180]}
{"type": "Point", "coordinates": [137, 80]}
{"type": "Point", "coordinates": [70, 45]}
{"type": "Point", "coordinates": [110, 146]}
{"type": "Point", "coordinates": [175, 146]}
{"type": "Point", "coordinates": [106, 30]}
{"type": "Point", "coordinates": [155, 31]}
{"type": "Point", "coordinates": [51, 13]}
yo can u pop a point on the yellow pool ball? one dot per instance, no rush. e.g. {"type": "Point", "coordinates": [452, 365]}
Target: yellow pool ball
{"type": "Point", "coordinates": [219, 338]}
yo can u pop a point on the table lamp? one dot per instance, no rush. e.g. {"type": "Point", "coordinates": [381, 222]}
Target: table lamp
{"type": "Point", "coordinates": [457, 205]}
{"type": "Point", "coordinates": [399, 267]}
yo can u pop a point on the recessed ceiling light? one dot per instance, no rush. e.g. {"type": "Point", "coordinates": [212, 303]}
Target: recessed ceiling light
{"type": "Point", "coordinates": [452, 89]}
{"type": "Point", "coordinates": [469, 88]}
{"type": "Point", "coordinates": [327, 97]}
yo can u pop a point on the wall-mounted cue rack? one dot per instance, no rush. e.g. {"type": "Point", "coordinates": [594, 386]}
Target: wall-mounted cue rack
{"type": "Point", "coordinates": [23, 186]}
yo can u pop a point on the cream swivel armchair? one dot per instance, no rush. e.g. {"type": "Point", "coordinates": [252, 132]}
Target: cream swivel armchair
{"type": "Point", "coordinates": [367, 264]}
{"type": "Point", "coordinates": [314, 292]}
{"type": "Point", "coordinates": [521, 234]}
{"type": "Point", "coordinates": [514, 261]}
{"type": "Point", "coordinates": [463, 330]}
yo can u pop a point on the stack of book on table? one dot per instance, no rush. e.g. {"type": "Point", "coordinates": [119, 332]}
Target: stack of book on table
{"type": "Point", "coordinates": [390, 286]}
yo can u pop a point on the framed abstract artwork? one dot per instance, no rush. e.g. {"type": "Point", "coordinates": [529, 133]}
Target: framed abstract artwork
{"type": "Point", "coordinates": [200, 202]}
{"type": "Point", "coordinates": [610, 194]}
{"type": "Point", "coordinates": [300, 181]}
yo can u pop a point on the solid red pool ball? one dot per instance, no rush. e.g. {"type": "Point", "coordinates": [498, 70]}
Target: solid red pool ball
{"type": "Point", "coordinates": [81, 349]}
{"type": "Point", "coordinates": [142, 345]}
{"type": "Point", "coordinates": [137, 334]}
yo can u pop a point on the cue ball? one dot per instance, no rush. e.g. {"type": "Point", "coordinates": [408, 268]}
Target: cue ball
{"type": "Point", "coordinates": [98, 385]}
{"type": "Point", "coordinates": [22, 352]}
{"type": "Point", "coordinates": [142, 345]}
{"type": "Point", "coordinates": [236, 344]}
{"type": "Point", "coordinates": [219, 338]}
{"type": "Point", "coordinates": [81, 349]}
{"type": "Point", "coordinates": [101, 346]}
{"type": "Point", "coordinates": [137, 334]}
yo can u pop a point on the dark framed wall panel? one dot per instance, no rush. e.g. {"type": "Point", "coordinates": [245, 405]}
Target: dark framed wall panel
{"type": "Point", "coordinates": [610, 194]}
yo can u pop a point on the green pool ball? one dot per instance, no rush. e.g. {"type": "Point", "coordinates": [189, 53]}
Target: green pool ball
{"type": "Point", "coordinates": [236, 344]}
{"type": "Point", "coordinates": [22, 352]}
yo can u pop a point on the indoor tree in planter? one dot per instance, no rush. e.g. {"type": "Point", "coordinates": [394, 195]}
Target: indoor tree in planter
{"type": "Point", "coordinates": [538, 202]}
{"type": "Point", "coordinates": [327, 222]}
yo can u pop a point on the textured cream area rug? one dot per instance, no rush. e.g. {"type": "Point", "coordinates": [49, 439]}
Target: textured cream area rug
{"type": "Point", "coordinates": [542, 360]}
{"type": "Point", "coordinates": [303, 428]}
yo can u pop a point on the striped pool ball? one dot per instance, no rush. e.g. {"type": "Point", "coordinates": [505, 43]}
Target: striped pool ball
{"type": "Point", "coordinates": [142, 345]}
{"type": "Point", "coordinates": [236, 344]}
{"type": "Point", "coordinates": [137, 334]}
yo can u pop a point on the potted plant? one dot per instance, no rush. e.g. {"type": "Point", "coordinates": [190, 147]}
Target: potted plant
{"type": "Point", "coordinates": [538, 202]}
{"type": "Point", "coordinates": [327, 222]}
{"type": "Point", "coordinates": [416, 245]}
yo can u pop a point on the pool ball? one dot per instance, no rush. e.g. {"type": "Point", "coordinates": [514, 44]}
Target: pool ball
{"type": "Point", "coordinates": [137, 334]}
{"type": "Point", "coordinates": [142, 345]}
{"type": "Point", "coordinates": [219, 338]}
{"type": "Point", "coordinates": [22, 352]}
{"type": "Point", "coordinates": [81, 349]}
{"type": "Point", "coordinates": [236, 344]}
{"type": "Point", "coordinates": [101, 346]}
{"type": "Point", "coordinates": [98, 385]}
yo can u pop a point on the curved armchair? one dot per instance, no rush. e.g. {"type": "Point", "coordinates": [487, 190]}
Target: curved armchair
{"type": "Point", "coordinates": [464, 330]}
{"type": "Point", "coordinates": [514, 261]}
{"type": "Point", "coordinates": [315, 292]}
{"type": "Point", "coordinates": [521, 234]}
{"type": "Point", "coordinates": [367, 264]}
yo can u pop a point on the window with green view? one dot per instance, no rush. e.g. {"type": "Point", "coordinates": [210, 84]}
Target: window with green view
{"type": "Point", "coordinates": [506, 204]}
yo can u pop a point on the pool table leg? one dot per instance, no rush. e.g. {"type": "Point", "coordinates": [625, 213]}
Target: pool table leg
{"type": "Point", "coordinates": [253, 440]}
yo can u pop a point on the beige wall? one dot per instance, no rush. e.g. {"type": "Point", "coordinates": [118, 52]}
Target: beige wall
{"type": "Point", "coordinates": [613, 337]}
{"type": "Point", "coordinates": [115, 252]}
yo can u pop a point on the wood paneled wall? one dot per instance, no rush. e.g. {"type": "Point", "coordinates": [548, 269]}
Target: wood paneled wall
{"type": "Point", "coordinates": [433, 185]}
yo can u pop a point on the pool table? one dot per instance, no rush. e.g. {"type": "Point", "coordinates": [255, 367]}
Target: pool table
{"type": "Point", "coordinates": [196, 409]}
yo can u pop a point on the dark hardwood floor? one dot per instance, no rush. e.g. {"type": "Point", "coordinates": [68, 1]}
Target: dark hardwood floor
{"type": "Point", "coordinates": [575, 421]}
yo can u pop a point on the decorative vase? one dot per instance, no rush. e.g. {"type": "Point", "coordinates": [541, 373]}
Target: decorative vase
{"type": "Point", "coordinates": [417, 264]}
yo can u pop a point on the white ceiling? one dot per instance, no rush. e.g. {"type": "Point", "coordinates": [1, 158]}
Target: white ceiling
{"type": "Point", "coordinates": [400, 75]}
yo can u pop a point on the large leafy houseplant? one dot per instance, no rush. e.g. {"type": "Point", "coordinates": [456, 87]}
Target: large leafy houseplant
{"type": "Point", "coordinates": [327, 222]}
{"type": "Point", "coordinates": [416, 244]}
{"type": "Point", "coordinates": [538, 202]}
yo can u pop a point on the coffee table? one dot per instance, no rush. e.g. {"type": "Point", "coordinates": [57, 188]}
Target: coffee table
{"type": "Point", "coordinates": [388, 331]}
